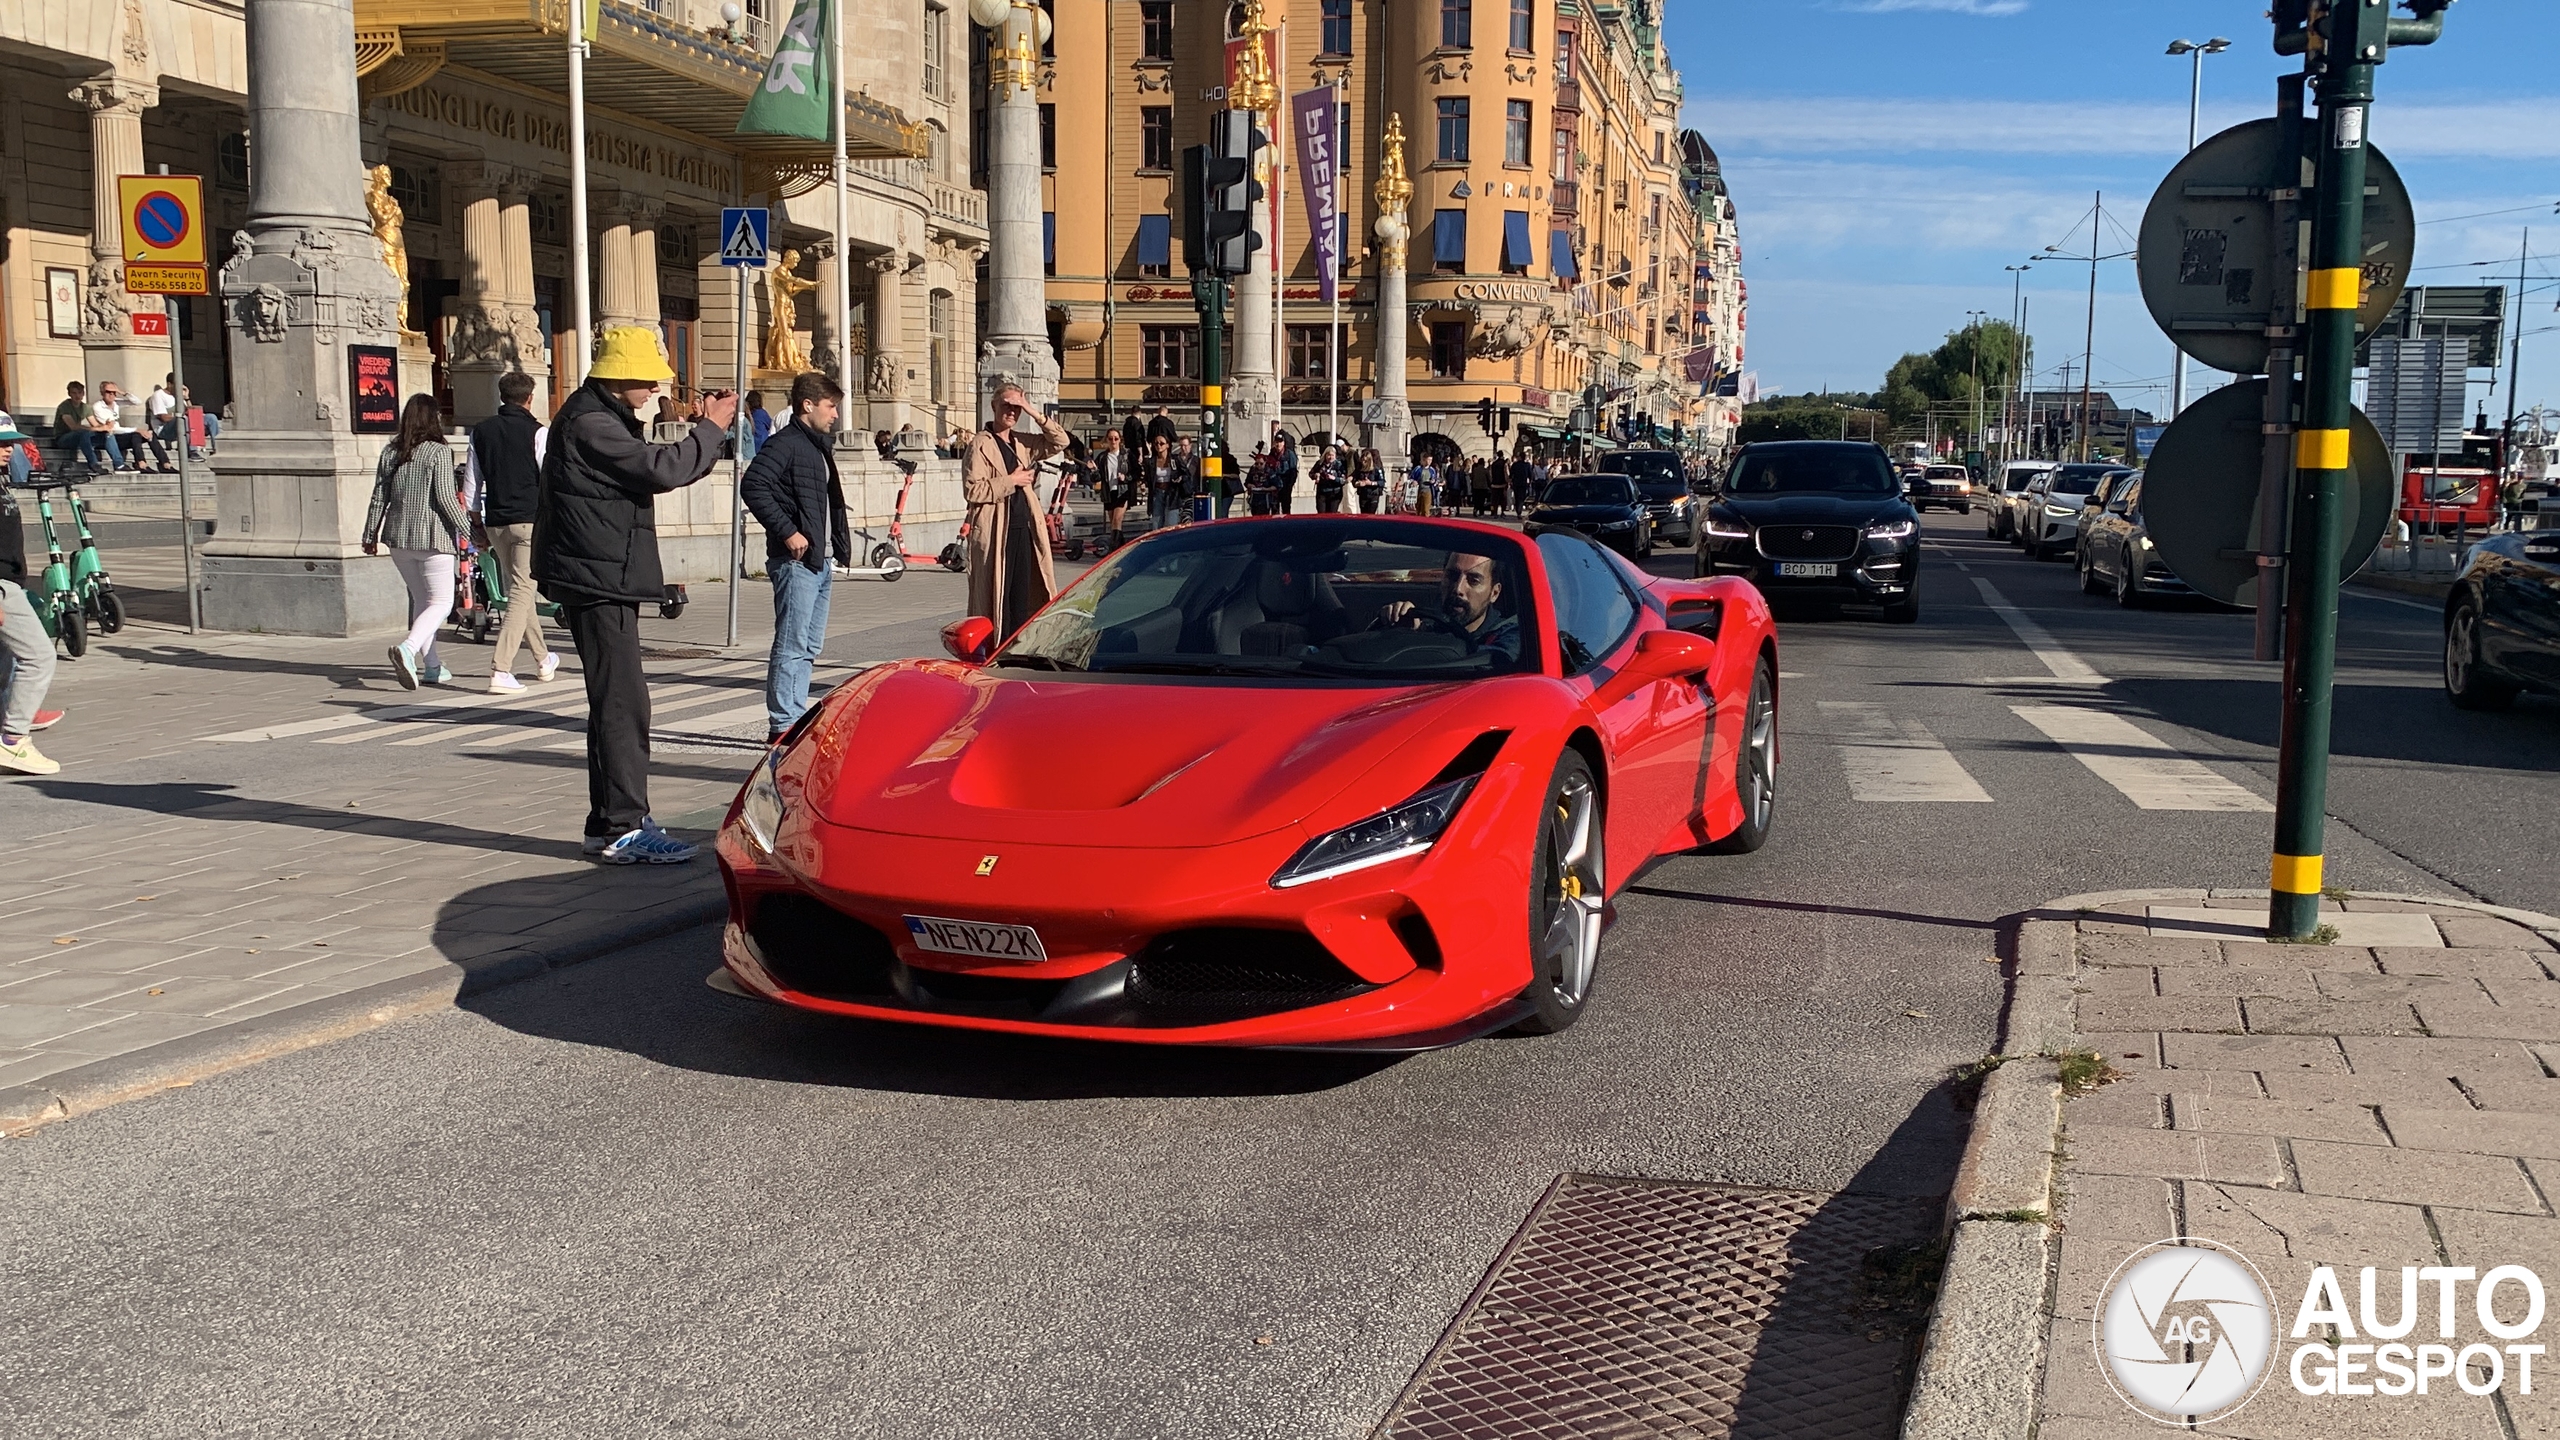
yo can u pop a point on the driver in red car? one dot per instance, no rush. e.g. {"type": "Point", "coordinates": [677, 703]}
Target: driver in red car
{"type": "Point", "coordinates": [1468, 591]}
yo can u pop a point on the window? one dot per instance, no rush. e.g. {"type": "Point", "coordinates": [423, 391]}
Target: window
{"type": "Point", "coordinates": [231, 160]}
{"type": "Point", "coordinates": [1048, 137]}
{"type": "Point", "coordinates": [1564, 53]}
{"type": "Point", "coordinates": [1593, 612]}
{"type": "Point", "coordinates": [1564, 156]}
{"type": "Point", "coordinates": [1155, 130]}
{"type": "Point", "coordinates": [1515, 242]}
{"type": "Point", "coordinates": [938, 308]}
{"type": "Point", "coordinates": [1169, 352]}
{"type": "Point", "coordinates": [937, 45]}
{"type": "Point", "coordinates": [1155, 245]}
{"type": "Point", "coordinates": [1650, 342]}
{"type": "Point", "coordinates": [420, 195]}
{"type": "Point", "coordinates": [1308, 356]}
{"type": "Point", "coordinates": [1515, 133]}
{"type": "Point", "coordinates": [1049, 242]}
{"type": "Point", "coordinates": [1656, 222]}
{"type": "Point", "coordinates": [1337, 27]}
{"type": "Point", "coordinates": [1522, 35]}
{"type": "Point", "coordinates": [1449, 349]}
{"type": "Point", "coordinates": [1453, 129]}
{"type": "Point", "coordinates": [1155, 17]}
{"type": "Point", "coordinates": [675, 246]}
{"type": "Point", "coordinates": [1457, 23]}
{"type": "Point", "coordinates": [1449, 240]}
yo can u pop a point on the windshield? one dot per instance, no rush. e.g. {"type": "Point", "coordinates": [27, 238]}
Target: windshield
{"type": "Point", "coordinates": [1650, 468]}
{"type": "Point", "coordinates": [1828, 469]}
{"type": "Point", "coordinates": [1589, 490]}
{"type": "Point", "coordinates": [2018, 477]}
{"type": "Point", "coordinates": [1363, 601]}
{"type": "Point", "coordinates": [2080, 479]}
{"type": "Point", "coordinates": [1948, 472]}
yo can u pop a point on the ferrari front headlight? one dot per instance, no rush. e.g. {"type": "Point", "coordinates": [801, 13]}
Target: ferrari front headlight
{"type": "Point", "coordinates": [1407, 829]}
{"type": "Point", "coordinates": [762, 809]}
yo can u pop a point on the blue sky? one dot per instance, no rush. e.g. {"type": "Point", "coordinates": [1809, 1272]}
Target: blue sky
{"type": "Point", "coordinates": [1888, 157]}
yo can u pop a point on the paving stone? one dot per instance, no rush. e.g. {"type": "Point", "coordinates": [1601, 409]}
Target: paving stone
{"type": "Point", "coordinates": [2280, 1412]}
{"type": "Point", "coordinates": [2507, 990]}
{"type": "Point", "coordinates": [2487, 932]}
{"type": "Point", "coordinates": [122, 1034]}
{"type": "Point", "coordinates": [2115, 950]}
{"type": "Point", "coordinates": [2481, 1132]}
{"type": "Point", "coordinates": [30, 1026]}
{"type": "Point", "coordinates": [2437, 1058]}
{"type": "Point", "coordinates": [2125, 1105]}
{"type": "Point", "coordinates": [2262, 1053]}
{"type": "Point", "coordinates": [2272, 1225]}
{"type": "Point", "coordinates": [2483, 1240]}
{"type": "Point", "coordinates": [2312, 1119]}
{"type": "Point", "coordinates": [2125, 1050]}
{"type": "Point", "coordinates": [2114, 1150]}
{"type": "Point", "coordinates": [2279, 981]}
{"type": "Point", "coordinates": [2192, 1012]}
{"type": "Point", "coordinates": [18, 1067]}
{"type": "Point", "coordinates": [2357, 987]}
{"type": "Point", "coordinates": [73, 988]}
{"type": "Point", "coordinates": [2487, 964]}
{"type": "Point", "coordinates": [2512, 1092]}
{"type": "Point", "coordinates": [179, 995]}
{"type": "Point", "coordinates": [2386, 1088]}
{"type": "Point", "coordinates": [2414, 1177]}
{"type": "Point", "coordinates": [2080, 1276]}
{"type": "Point", "coordinates": [2330, 1017]}
{"type": "Point", "coordinates": [2116, 982]}
{"type": "Point", "coordinates": [2118, 1207]}
{"type": "Point", "coordinates": [2506, 1022]}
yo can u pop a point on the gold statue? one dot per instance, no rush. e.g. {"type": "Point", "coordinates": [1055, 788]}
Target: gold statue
{"type": "Point", "coordinates": [385, 210]}
{"type": "Point", "coordinates": [782, 348]}
{"type": "Point", "coordinates": [1255, 87]}
{"type": "Point", "coordinates": [1395, 193]}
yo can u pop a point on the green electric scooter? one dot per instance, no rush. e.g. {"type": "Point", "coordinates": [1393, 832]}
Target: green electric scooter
{"type": "Point", "coordinates": [74, 594]}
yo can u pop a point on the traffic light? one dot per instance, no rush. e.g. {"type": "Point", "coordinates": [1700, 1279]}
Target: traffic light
{"type": "Point", "coordinates": [1218, 234]}
{"type": "Point", "coordinates": [1484, 416]}
{"type": "Point", "coordinates": [1506, 420]}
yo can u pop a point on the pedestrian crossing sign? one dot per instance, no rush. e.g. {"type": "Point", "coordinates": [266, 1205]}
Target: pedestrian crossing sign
{"type": "Point", "coordinates": [744, 233]}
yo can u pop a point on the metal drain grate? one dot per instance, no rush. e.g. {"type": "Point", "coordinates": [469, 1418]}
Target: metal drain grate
{"type": "Point", "coordinates": [1629, 1308]}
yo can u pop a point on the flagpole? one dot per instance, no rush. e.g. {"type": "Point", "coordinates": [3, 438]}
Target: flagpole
{"type": "Point", "coordinates": [1333, 333]}
{"type": "Point", "coordinates": [1279, 228]}
{"type": "Point", "coordinates": [582, 307]}
{"type": "Point", "coordinates": [844, 249]}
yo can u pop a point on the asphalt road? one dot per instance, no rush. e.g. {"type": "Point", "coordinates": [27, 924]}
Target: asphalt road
{"type": "Point", "coordinates": [613, 1202]}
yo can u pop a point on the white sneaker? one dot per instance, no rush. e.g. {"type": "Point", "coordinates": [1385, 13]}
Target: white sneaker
{"type": "Point", "coordinates": [550, 665]}
{"type": "Point", "coordinates": [24, 758]}
{"type": "Point", "coordinates": [501, 683]}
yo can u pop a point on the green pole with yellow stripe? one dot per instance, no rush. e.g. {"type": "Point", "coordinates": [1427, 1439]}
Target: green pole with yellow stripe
{"type": "Point", "coordinates": [2344, 41]}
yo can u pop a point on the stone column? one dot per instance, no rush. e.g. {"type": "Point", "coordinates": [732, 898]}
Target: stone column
{"type": "Point", "coordinates": [1252, 386]}
{"type": "Point", "coordinates": [1393, 436]}
{"type": "Point", "coordinates": [826, 348]}
{"type": "Point", "coordinates": [304, 281]}
{"type": "Point", "coordinates": [476, 355]}
{"type": "Point", "coordinates": [617, 289]}
{"type": "Point", "coordinates": [109, 348]}
{"type": "Point", "coordinates": [887, 382]}
{"type": "Point", "coordinates": [1016, 351]}
{"type": "Point", "coordinates": [645, 216]}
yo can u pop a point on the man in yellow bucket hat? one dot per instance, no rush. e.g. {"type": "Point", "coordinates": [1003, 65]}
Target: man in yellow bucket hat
{"type": "Point", "coordinates": [595, 553]}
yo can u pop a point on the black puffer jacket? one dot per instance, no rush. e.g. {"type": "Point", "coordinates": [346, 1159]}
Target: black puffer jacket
{"type": "Point", "coordinates": [793, 489]}
{"type": "Point", "coordinates": [595, 533]}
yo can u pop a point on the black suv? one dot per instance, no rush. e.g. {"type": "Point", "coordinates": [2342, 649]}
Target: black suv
{"type": "Point", "coordinates": [1662, 482]}
{"type": "Point", "coordinates": [1819, 519]}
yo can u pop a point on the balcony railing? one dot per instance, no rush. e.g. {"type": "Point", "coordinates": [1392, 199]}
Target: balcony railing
{"type": "Point", "coordinates": [1564, 197]}
{"type": "Point", "coordinates": [957, 204]}
{"type": "Point", "coordinates": [1618, 196]}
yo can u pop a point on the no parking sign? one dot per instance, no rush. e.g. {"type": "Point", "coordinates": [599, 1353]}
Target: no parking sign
{"type": "Point", "coordinates": [163, 233]}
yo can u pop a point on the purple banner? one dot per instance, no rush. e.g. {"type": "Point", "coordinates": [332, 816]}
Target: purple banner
{"type": "Point", "coordinates": [1316, 121]}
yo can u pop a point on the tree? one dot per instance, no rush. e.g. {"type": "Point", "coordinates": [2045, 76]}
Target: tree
{"type": "Point", "coordinates": [1810, 417]}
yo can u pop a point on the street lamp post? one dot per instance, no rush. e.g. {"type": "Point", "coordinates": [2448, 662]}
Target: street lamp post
{"type": "Point", "coordinates": [2017, 361]}
{"type": "Point", "coordinates": [1974, 353]}
{"type": "Point", "coordinates": [2195, 114]}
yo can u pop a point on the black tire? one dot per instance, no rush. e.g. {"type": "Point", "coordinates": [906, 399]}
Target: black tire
{"type": "Point", "coordinates": [1075, 547]}
{"type": "Point", "coordinates": [1905, 611]}
{"type": "Point", "coordinates": [2128, 591]}
{"type": "Point", "coordinates": [1755, 766]}
{"type": "Point", "coordinates": [670, 609]}
{"type": "Point", "coordinates": [2466, 683]}
{"type": "Point", "coordinates": [110, 611]}
{"type": "Point", "coordinates": [1990, 524]}
{"type": "Point", "coordinates": [882, 556]}
{"type": "Point", "coordinates": [75, 631]}
{"type": "Point", "coordinates": [953, 558]}
{"type": "Point", "coordinates": [1558, 886]}
{"type": "Point", "coordinates": [2089, 583]}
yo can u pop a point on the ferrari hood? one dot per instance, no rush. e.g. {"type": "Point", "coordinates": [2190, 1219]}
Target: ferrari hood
{"type": "Point", "coordinates": [929, 748]}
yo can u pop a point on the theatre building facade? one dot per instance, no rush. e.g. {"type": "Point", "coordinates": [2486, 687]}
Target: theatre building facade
{"type": "Point", "coordinates": [464, 110]}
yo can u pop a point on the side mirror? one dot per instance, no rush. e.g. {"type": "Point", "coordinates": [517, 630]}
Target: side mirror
{"type": "Point", "coordinates": [1660, 655]}
{"type": "Point", "coordinates": [970, 641]}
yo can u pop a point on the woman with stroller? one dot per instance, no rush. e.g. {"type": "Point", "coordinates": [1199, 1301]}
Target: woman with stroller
{"type": "Point", "coordinates": [417, 514]}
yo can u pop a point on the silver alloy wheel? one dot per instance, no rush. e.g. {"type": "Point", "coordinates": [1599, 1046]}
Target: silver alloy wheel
{"type": "Point", "coordinates": [2459, 638]}
{"type": "Point", "coordinates": [1760, 754]}
{"type": "Point", "coordinates": [1576, 890]}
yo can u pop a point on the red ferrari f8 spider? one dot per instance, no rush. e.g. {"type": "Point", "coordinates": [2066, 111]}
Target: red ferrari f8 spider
{"type": "Point", "coordinates": [1336, 782]}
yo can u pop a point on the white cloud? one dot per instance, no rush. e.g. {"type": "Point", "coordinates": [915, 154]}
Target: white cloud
{"type": "Point", "coordinates": [2474, 131]}
{"type": "Point", "coordinates": [1802, 207]}
{"type": "Point", "coordinates": [1958, 7]}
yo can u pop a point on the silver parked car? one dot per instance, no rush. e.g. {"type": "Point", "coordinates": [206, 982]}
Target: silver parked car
{"type": "Point", "coordinates": [2046, 518]}
{"type": "Point", "coordinates": [1999, 498]}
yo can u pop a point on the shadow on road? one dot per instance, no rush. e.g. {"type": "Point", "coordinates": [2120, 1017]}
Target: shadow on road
{"type": "Point", "coordinates": [650, 1001]}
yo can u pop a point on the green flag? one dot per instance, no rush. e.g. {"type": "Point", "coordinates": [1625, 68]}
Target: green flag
{"type": "Point", "coordinates": [792, 98]}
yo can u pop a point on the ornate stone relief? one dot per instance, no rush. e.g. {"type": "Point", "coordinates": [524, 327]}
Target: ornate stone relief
{"type": "Point", "coordinates": [263, 312]}
{"type": "Point", "coordinates": [107, 314]}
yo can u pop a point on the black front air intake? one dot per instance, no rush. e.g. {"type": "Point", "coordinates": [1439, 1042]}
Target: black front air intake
{"type": "Point", "coordinates": [1200, 977]}
{"type": "Point", "coordinates": [823, 952]}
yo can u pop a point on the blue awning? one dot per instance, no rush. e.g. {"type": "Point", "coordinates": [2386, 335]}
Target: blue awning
{"type": "Point", "coordinates": [1560, 255]}
{"type": "Point", "coordinates": [1155, 239]}
{"type": "Point", "coordinates": [1049, 239]}
{"type": "Point", "coordinates": [1449, 237]}
{"type": "Point", "coordinates": [1515, 239]}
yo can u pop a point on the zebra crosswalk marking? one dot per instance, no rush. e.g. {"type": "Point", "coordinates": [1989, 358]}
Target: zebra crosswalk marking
{"type": "Point", "coordinates": [1895, 759]}
{"type": "Point", "coordinates": [2146, 769]}
{"type": "Point", "coordinates": [2038, 640]}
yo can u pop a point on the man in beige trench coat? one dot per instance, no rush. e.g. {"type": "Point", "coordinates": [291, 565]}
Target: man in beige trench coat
{"type": "Point", "coordinates": [1008, 550]}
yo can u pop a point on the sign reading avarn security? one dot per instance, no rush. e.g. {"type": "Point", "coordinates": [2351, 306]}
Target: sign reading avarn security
{"type": "Point", "coordinates": [2187, 1332]}
{"type": "Point", "coordinates": [163, 233]}
{"type": "Point", "coordinates": [1315, 116]}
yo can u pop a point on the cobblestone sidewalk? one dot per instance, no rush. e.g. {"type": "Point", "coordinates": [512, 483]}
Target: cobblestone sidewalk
{"type": "Point", "coordinates": [2386, 1100]}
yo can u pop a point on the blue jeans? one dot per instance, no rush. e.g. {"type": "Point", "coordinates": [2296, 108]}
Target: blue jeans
{"type": "Point", "coordinates": [97, 447]}
{"type": "Point", "coordinates": [799, 633]}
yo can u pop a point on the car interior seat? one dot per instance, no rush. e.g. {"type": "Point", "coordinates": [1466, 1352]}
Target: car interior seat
{"type": "Point", "coordinates": [1299, 609]}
